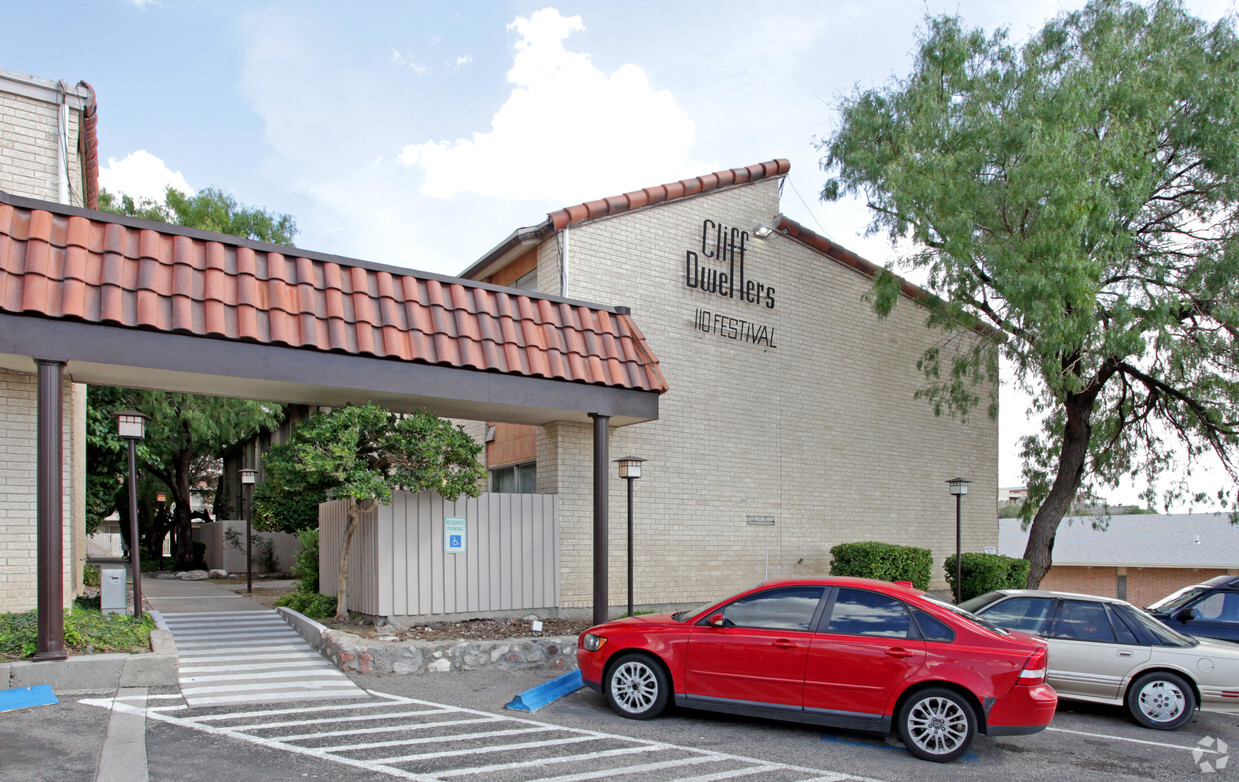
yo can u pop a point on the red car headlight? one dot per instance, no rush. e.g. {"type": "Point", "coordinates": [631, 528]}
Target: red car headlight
{"type": "Point", "coordinates": [593, 643]}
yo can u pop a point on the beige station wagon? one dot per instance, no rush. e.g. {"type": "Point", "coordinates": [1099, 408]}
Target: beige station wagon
{"type": "Point", "coordinates": [1108, 651]}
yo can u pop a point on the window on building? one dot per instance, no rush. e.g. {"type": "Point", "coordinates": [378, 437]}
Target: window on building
{"type": "Point", "coordinates": [527, 282]}
{"type": "Point", "coordinates": [515, 479]}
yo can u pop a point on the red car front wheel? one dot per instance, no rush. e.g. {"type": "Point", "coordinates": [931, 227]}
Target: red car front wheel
{"type": "Point", "coordinates": [636, 687]}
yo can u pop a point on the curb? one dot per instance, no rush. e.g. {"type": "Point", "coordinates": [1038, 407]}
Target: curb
{"type": "Point", "coordinates": [352, 654]}
{"type": "Point", "coordinates": [547, 692]}
{"type": "Point", "coordinates": [100, 672]}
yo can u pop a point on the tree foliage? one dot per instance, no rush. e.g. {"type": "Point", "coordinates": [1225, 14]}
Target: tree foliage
{"type": "Point", "coordinates": [184, 438]}
{"type": "Point", "coordinates": [210, 209]}
{"type": "Point", "coordinates": [187, 432]}
{"type": "Point", "coordinates": [1079, 196]}
{"type": "Point", "coordinates": [362, 453]}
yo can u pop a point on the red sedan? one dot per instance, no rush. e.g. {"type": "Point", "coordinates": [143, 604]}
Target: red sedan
{"type": "Point", "coordinates": [844, 652]}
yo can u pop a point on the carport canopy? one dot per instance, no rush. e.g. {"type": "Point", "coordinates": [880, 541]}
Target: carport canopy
{"type": "Point", "coordinates": [113, 300]}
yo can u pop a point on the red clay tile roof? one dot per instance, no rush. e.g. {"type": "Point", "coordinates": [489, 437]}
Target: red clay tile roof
{"type": "Point", "coordinates": [843, 255]}
{"type": "Point", "coordinates": [64, 263]}
{"type": "Point", "coordinates": [669, 192]}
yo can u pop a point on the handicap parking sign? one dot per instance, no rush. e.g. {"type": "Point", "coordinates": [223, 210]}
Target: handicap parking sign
{"type": "Point", "coordinates": [454, 535]}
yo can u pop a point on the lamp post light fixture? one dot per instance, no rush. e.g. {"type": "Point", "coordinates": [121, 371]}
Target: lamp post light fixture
{"type": "Point", "coordinates": [630, 470]}
{"type": "Point", "coordinates": [131, 426]}
{"type": "Point", "coordinates": [248, 475]}
{"type": "Point", "coordinates": [958, 487]}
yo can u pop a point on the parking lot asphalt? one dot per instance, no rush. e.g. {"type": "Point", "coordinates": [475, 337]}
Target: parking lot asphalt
{"type": "Point", "coordinates": [1085, 740]}
{"type": "Point", "coordinates": [283, 742]}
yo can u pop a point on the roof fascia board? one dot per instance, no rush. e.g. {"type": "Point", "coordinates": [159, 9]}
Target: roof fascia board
{"type": "Point", "coordinates": [449, 391]}
{"type": "Point", "coordinates": [44, 90]}
{"type": "Point", "coordinates": [511, 248]}
{"type": "Point", "coordinates": [172, 229]}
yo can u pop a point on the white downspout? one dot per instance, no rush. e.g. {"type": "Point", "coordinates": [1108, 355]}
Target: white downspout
{"type": "Point", "coordinates": [563, 263]}
{"type": "Point", "coordinates": [62, 144]}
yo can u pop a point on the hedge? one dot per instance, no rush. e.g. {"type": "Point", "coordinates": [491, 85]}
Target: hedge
{"type": "Point", "coordinates": [986, 572]}
{"type": "Point", "coordinates": [883, 561]}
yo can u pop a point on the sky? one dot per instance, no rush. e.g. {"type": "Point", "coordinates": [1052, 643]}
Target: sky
{"type": "Point", "coordinates": [421, 134]}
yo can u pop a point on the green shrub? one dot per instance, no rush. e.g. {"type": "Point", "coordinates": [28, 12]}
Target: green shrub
{"type": "Point", "coordinates": [87, 631]}
{"type": "Point", "coordinates": [306, 566]}
{"type": "Point", "coordinates": [883, 561]}
{"type": "Point", "coordinates": [986, 572]}
{"type": "Point", "coordinates": [91, 576]}
{"type": "Point", "coordinates": [313, 605]}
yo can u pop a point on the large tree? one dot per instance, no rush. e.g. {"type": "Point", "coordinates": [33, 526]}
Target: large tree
{"type": "Point", "coordinates": [1076, 200]}
{"type": "Point", "coordinates": [361, 454]}
{"type": "Point", "coordinates": [187, 432]}
{"type": "Point", "coordinates": [184, 438]}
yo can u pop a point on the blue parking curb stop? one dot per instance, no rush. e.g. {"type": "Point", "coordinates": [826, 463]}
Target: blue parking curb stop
{"type": "Point", "coordinates": [25, 697]}
{"type": "Point", "coordinates": [546, 692]}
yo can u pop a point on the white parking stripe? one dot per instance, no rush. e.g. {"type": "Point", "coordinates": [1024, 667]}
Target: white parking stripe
{"type": "Point", "coordinates": [246, 715]}
{"type": "Point", "coordinates": [405, 742]}
{"type": "Point", "coordinates": [335, 720]}
{"type": "Point", "coordinates": [449, 756]}
{"type": "Point", "coordinates": [452, 753]}
{"type": "Point", "coordinates": [609, 753]}
{"type": "Point", "coordinates": [1193, 748]}
{"type": "Point", "coordinates": [393, 729]}
{"type": "Point", "coordinates": [643, 769]}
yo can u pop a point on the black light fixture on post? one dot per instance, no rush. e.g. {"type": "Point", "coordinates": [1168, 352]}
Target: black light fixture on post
{"type": "Point", "coordinates": [958, 487]}
{"type": "Point", "coordinates": [131, 426]}
{"type": "Point", "coordinates": [248, 475]}
{"type": "Point", "coordinates": [630, 470]}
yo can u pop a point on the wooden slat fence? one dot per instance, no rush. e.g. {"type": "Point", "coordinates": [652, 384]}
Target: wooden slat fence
{"type": "Point", "coordinates": [398, 567]}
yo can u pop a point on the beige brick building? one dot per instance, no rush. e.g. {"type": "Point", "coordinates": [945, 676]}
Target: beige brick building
{"type": "Point", "coordinates": [790, 424]}
{"type": "Point", "coordinates": [46, 152]}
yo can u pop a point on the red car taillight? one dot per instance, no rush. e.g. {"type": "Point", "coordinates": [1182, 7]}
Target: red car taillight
{"type": "Point", "coordinates": [1034, 669]}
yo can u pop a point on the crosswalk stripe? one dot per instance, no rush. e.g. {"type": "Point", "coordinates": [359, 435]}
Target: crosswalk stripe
{"type": "Point", "coordinates": [250, 657]}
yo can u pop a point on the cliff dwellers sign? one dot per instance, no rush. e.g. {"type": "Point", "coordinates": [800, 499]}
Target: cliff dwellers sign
{"type": "Point", "coordinates": [717, 267]}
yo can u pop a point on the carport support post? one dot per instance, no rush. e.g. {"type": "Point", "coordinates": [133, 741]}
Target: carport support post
{"type": "Point", "coordinates": [602, 436]}
{"type": "Point", "coordinates": [50, 641]}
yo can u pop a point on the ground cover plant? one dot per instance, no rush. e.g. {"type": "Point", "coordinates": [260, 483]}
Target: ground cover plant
{"type": "Point", "coordinates": [87, 631]}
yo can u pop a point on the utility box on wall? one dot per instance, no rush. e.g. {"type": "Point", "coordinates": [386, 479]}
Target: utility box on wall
{"type": "Point", "coordinates": [112, 589]}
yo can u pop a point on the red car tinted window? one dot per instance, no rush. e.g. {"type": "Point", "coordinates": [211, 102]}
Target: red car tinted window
{"type": "Point", "coordinates": [777, 609]}
{"type": "Point", "coordinates": [857, 612]}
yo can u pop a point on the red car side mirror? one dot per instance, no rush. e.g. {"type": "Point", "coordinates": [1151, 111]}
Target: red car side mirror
{"type": "Point", "coordinates": [717, 620]}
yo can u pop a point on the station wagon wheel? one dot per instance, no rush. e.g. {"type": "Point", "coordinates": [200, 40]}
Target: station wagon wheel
{"type": "Point", "coordinates": [937, 724]}
{"type": "Point", "coordinates": [1161, 700]}
{"type": "Point", "coordinates": [636, 687]}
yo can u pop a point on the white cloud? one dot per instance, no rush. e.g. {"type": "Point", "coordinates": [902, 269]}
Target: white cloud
{"type": "Point", "coordinates": [416, 67]}
{"type": "Point", "coordinates": [567, 131]}
{"type": "Point", "coordinates": [141, 175]}
{"type": "Point", "coordinates": [462, 62]}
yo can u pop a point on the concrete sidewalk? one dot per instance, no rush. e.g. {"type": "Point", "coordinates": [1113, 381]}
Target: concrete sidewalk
{"type": "Point", "coordinates": [173, 596]}
{"type": "Point", "coordinates": [122, 756]}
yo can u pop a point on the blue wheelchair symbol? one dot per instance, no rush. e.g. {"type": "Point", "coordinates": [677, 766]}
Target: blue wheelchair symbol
{"type": "Point", "coordinates": [454, 541]}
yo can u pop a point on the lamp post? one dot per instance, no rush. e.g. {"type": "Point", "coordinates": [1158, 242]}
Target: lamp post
{"type": "Point", "coordinates": [131, 426]}
{"type": "Point", "coordinates": [630, 470]}
{"type": "Point", "coordinates": [958, 487]}
{"type": "Point", "coordinates": [247, 485]}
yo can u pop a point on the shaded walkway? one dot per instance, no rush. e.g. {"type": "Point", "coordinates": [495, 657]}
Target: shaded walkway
{"type": "Point", "coordinates": [233, 650]}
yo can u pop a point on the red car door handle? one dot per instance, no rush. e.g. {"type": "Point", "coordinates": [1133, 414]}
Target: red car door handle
{"type": "Point", "coordinates": [896, 651]}
{"type": "Point", "coordinates": [783, 643]}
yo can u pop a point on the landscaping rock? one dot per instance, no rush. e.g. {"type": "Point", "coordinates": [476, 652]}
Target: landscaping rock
{"type": "Point", "coordinates": [193, 575]}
